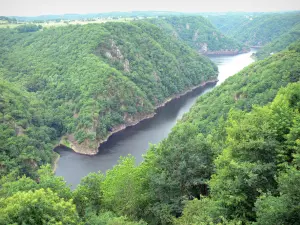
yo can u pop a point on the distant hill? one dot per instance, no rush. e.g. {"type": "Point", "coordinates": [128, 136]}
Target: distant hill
{"type": "Point", "coordinates": [280, 43]}
{"type": "Point", "coordinates": [96, 15]}
{"type": "Point", "coordinates": [200, 34]}
{"type": "Point", "coordinates": [256, 29]}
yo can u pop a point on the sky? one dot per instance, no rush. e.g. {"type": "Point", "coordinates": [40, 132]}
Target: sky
{"type": "Point", "coordinates": [46, 7]}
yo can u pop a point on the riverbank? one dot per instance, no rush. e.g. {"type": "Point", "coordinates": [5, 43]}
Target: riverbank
{"type": "Point", "coordinates": [73, 145]}
{"type": "Point", "coordinates": [55, 162]}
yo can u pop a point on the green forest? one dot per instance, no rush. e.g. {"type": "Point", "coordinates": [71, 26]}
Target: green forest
{"type": "Point", "coordinates": [255, 29]}
{"type": "Point", "coordinates": [280, 43]}
{"type": "Point", "coordinates": [96, 77]}
{"type": "Point", "coordinates": [233, 159]}
{"type": "Point", "coordinates": [200, 34]}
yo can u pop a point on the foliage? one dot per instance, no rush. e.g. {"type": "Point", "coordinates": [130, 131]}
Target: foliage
{"type": "Point", "coordinates": [109, 218]}
{"type": "Point", "coordinates": [255, 29]}
{"type": "Point", "coordinates": [95, 77]}
{"type": "Point", "coordinates": [236, 154]}
{"type": "Point", "coordinates": [124, 188]}
{"type": "Point", "coordinates": [280, 43]}
{"type": "Point", "coordinates": [181, 166]}
{"type": "Point", "coordinates": [256, 148]}
{"type": "Point", "coordinates": [29, 28]}
{"type": "Point", "coordinates": [197, 32]}
{"type": "Point", "coordinates": [11, 184]}
{"type": "Point", "coordinates": [26, 131]}
{"type": "Point", "coordinates": [37, 207]}
{"type": "Point", "coordinates": [88, 194]}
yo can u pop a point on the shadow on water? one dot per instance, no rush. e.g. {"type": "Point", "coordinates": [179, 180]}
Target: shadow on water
{"type": "Point", "coordinates": [135, 140]}
{"type": "Point", "coordinates": [170, 113]}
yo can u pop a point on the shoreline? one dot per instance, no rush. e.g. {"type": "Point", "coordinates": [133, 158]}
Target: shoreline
{"type": "Point", "coordinates": [146, 117]}
{"type": "Point", "coordinates": [55, 162]}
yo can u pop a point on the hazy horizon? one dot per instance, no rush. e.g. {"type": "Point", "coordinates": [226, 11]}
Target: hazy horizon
{"type": "Point", "coordinates": [30, 8]}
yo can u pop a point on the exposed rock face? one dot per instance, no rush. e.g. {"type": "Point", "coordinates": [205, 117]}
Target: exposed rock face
{"type": "Point", "coordinates": [88, 147]}
{"type": "Point", "coordinates": [187, 26]}
{"type": "Point", "coordinates": [115, 54]}
{"type": "Point", "coordinates": [203, 47]}
{"type": "Point", "coordinates": [196, 35]}
{"type": "Point", "coordinates": [126, 65]}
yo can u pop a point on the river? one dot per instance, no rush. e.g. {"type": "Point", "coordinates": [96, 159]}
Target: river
{"type": "Point", "coordinates": [135, 140]}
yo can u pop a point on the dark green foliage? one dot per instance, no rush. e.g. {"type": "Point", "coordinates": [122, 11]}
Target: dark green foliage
{"type": "Point", "coordinates": [26, 131]}
{"type": "Point", "coordinates": [29, 28]}
{"type": "Point", "coordinates": [95, 77]}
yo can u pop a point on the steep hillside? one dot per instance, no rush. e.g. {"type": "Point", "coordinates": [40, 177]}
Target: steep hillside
{"type": "Point", "coordinates": [27, 131]}
{"type": "Point", "coordinates": [257, 174]}
{"type": "Point", "coordinates": [199, 34]}
{"type": "Point", "coordinates": [98, 78]}
{"type": "Point", "coordinates": [255, 29]}
{"type": "Point", "coordinates": [279, 43]}
{"type": "Point", "coordinates": [181, 166]}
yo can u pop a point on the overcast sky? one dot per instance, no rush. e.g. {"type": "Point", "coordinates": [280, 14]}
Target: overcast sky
{"type": "Point", "coordinates": [45, 7]}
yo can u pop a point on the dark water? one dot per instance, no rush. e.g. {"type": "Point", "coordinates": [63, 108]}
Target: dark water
{"type": "Point", "coordinates": [135, 140]}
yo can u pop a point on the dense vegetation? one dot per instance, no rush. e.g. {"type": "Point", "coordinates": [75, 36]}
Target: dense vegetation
{"type": "Point", "coordinates": [27, 131]}
{"type": "Point", "coordinates": [198, 33]}
{"type": "Point", "coordinates": [279, 43]}
{"type": "Point", "coordinates": [255, 29]}
{"type": "Point", "coordinates": [94, 78]}
{"type": "Point", "coordinates": [233, 159]}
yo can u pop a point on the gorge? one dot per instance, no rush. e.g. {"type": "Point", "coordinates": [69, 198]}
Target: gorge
{"type": "Point", "coordinates": [135, 140]}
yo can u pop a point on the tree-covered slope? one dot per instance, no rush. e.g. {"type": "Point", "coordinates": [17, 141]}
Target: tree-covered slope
{"type": "Point", "coordinates": [200, 34]}
{"type": "Point", "coordinates": [235, 155]}
{"type": "Point", "coordinates": [255, 29]}
{"type": "Point", "coordinates": [27, 131]}
{"type": "Point", "coordinates": [182, 164]}
{"type": "Point", "coordinates": [279, 43]}
{"type": "Point", "coordinates": [98, 78]}
{"type": "Point", "coordinates": [257, 174]}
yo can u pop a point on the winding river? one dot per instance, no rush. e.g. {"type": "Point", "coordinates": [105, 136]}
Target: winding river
{"type": "Point", "coordinates": [135, 140]}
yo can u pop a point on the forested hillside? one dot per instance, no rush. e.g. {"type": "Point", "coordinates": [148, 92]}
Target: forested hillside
{"type": "Point", "coordinates": [279, 43]}
{"type": "Point", "coordinates": [27, 131]}
{"type": "Point", "coordinates": [199, 34]}
{"type": "Point", "coordinates": [255, 29]}
{"type": "Point", "coordinates": [98, 78]}
{"type": "Point", "coordinates": [234, 159]}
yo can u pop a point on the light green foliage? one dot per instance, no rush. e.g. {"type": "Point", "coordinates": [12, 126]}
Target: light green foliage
{"type": "Point", "coordinates": [256, 149]}
{"type": "Point", "coordinates": [88, 194]}
{"type": "Point", "coordinates": [11, 184]}
{"type": "Point", "coordinates": [37, 207]}
{"type": "Point", "coordinates": [109, 218]}
{"type": "Point", "coordinates": [124, 188]}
